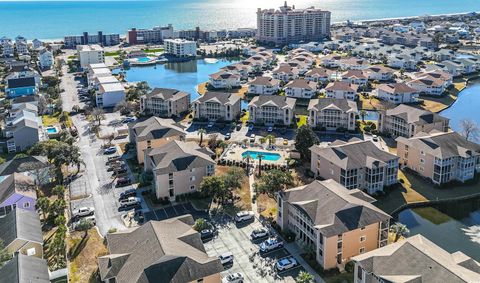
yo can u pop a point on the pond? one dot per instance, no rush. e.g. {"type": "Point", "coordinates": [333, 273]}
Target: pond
{"type": "Point", "coordinates": [454, 226]}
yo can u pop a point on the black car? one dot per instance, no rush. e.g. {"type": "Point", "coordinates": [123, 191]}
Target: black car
{"type": "Point", "coordinates": [207, 234]}
{"type": "Point", "coordinates": [123, 182]}
{"type": "Point", "coordinates": [128, 193]}
{"type": "Point", "coordinates": [116, 167]}
{"type": "Point", "coordinates": [120, 171]}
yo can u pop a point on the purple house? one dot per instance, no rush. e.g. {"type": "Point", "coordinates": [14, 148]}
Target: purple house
{"type": "Point", "coordinates": [17, 190]}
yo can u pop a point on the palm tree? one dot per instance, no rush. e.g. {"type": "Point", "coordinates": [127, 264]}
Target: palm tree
{"type": "Point", "coordinates": [59, 190]}
{"type": "Point", "coordinates": [362, 114]}
{"type": "Point", "coordinates": [400, 230]}
{"type": "Point", "coordinates": [260, 157]}
{"type": "Point", "coordinates": [43, 203]}
{"type": "Point", "coordinates": [201, 132]}
{"type": "Point", "coordinates": [270, 138]}
{"type": "Point", "coordinates": [304, 277]}
{"type": "Point", "coordinates": [248, 158]}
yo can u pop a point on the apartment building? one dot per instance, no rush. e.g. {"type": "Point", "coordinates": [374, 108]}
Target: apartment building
{"type": "Point", "coordinates": [109, 94]}
{"type": "Point", "coordinates": [165, 102]}
{"type": "Point", "coordinates": [289, 25]}
{"type": "Point", "coordinates": [145, 36]}
{"type": "Point", "coordinates": [90, 54]}
{"type": "Point", "coordinates": [406, 121]}
{"type": "Point", "coordinates": [300, 88]}
{"type": "Point", "coordinates": [341, 90]}
{"type": "Point", "coordinates": [224, 79]}
{"type": "Point", "coordinates": [178, 168]}
{"type": "Point", "coordinates": [356, 77]}
{"type": "Point", "coordinates": [152, 133]}
{"type": "Point", "coordinates": [319, 75]}
{"type": "Point", "coordinates": [71, 41]}
{"type": "Point", "coordinates": [355, 164]}
{"type": "Point", "coordinates": [286, 73]}
{"type": "Point", "coordinates": [415, 259]}
{"type": "Point", "coordinates": [396, 93]}
{"type": "Point", "coordinates": [159, 251]}
{"type": "Point", "coordinates": [272, 110]}
{"type": "Point", "coordinates": [432, 83]}
{"type": "Point", "coordinates": [180, 47]}
{"type": "Point", "coordinates": [440, 157]}
{"type": "Point", "coordinates": [332, 114]}
{"type": "Point", "coordinates": [217, 106]}
{"type": "Point", "coordinates": [264, 86]}
{"type": "Point", "coordinates": [379, 73]}
{"type": "Point", "coordinates": [335, 222]}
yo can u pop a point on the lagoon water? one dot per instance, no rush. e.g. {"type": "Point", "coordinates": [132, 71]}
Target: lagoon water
{"type": "Point", "coordinates": [55, 19]}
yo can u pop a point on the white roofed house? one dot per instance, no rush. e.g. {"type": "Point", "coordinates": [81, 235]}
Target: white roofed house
{"type": "Point", "coordinates": [397, 93]}
{"type": "Point", "coordinates": [264, 85]}
{"type": "Point", "coordinates": [356, 77]}
{"type": "Point", "coordinates": [165, 102]}
{"type": "Point", "coordinates": [353, 64]}
{"type": "Point", "coordinates": [224, 80]}
{"type": "Point", "coordinates": [379, 73]}
{"type": "Point", "coordinates": [217, 106]}
{"type": "Point", "coordinates": [271, 110]}
{"type": "Point", "coordinates": [319, 75]}
{"type": "Point", "coordinates": [238, 69]}
{"type": "Point", "coordinates": [332, 114]}
{"type": "Point", "coordinates": [341, 90]}
{"type": "Point", "coordinates": [110, 94]}
{"type": "Point", "coordinates": [402, 61]}
{"type": "Point", "coordinates": [300, 88]}
{"type": "Point", "coordinates": [285, 73]}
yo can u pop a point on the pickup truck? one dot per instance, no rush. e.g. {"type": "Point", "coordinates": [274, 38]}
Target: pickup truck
{"type": "Point", "coordinates": [270, 245]}
{"type": "Point", "coordinates": [130, 201]}
{"type": "Point", "coordinates": [83, 211]}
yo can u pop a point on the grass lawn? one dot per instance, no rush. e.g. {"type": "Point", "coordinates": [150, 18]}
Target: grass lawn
{"type": "Point", "coordinates": [302, 120]}
{"type": "Point", "coordinates": [267, 207]}
{"type": "Point", "coordinates": [244, 192]}
{"type": "Point", "coordinates": [202, 89]}
{"type": "Point", "coordinates": [437, 104]}
{"type": "Point", "coordinates": [112, 53]}
{"type": "Point", "coordinates": [155, 50]}
{"type": "Point", "coordinates": [83, 254]}
{"type": "Point", "coordinates": [371, 103]}
{"type": "Point", "coordinates": [50, 119]}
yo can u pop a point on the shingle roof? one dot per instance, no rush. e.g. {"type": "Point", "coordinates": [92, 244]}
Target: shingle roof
{"type": "Point", "coordinates": [23, 164]}
{"type": "Point", "coordinates": [415, 115]}
{"type": "Point", "coordinates": [418, 258]}
{"type": "Point", "coordinates": [20, 223]}
{"type": "Point", "coordinates": [156, 128]}
{"type": "Point", "coordinates": [301, 83]}
{"type": "Point", "coordinates": [396, 88]}
{"type": "Point", "coordinates": [341, 86]}
{"type": "Point", "coordinates": [19, 184]}
{"type": "Point", "coordinates": [220, 97]}
{"type": "Point", "coordinates": [333, 208]}
{"type": "Point", "coordinates": [265, 81]}
{"type": "Point", "coordinates": [25, 269]}
{"type": "Point", "coordinates": [160, 252]}
{"type": "Point", "coordinates": [167, 93]}
{"type": "Point", "coordinates": [21, 82]}
{"type": "Point", "coordinates": [274, 100]}
{"type": "Point", "coordinates": [224, 75]}
{"type": "Point", "coordinates": [332, 103]}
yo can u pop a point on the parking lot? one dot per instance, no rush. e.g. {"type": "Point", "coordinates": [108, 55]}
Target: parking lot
{"type": "Point", "coordinates": [174, 211]}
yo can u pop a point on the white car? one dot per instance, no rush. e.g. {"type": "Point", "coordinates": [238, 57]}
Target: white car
{"type": "Point", "coordinates": [286, 263]}
{"type": "Point", "coordinates": [269, 129]}
{"type": "Point", "coordinates": [90, 219]}
{"type": "Point", "coordinates": [130, 201]}
{"type": "Point", "coordinates": [259, 233]}
{"type": "Point", "coordinates": [271, 244]}
{"type": "Point", "coordinates": [226, 258]}
{"type": "Point", "coordinates": [233, 278]}
{"type": "Point", "coordinates": [83, 211]}
{"type": "Point", "coordinates": [244, 216]}
{"type": "Point", "coordinates": [210, 125]}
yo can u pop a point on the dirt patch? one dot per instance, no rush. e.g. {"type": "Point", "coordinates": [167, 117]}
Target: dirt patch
{"type": "Point", "coordinates": [245, 202]}
{"type": "Point", "coordinates": [83, 253]}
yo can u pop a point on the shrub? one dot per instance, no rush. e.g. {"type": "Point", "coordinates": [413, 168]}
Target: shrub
{"type": "Point", "coordinates": [349, 267]}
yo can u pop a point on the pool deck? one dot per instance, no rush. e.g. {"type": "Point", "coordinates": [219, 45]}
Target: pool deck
{"type": "Point", "coordinates": [235, 152]}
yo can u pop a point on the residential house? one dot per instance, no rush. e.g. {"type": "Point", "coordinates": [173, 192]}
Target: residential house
{"type": "Point", "coordinates": [21, 233]}
{"type": "Point", "coordinates": [25, 269]}
{"type": "Point", "coordinates": [17, 190]}
{"type": "Point", "coordinates": [33, 166]}
{"type": "Point", "coordinates": [22, 48]}
{"type": "Point", "coordinates": [355, 164]}
{"type": "Point", "coordinates": [238, 69]}
{"type": "Point", "coordinates": [224, 79]}
{"type": "Point", "coordinates": [332, 114]}
{"type": "Point", "coordinates": [319, 75]}
{"type": "Point", "coordinates": [286, 73]}
{"type": "Point", "coordinates": [152, 133]}
{"type": "Point", "coordinates": [353, 63]}
{"type": "Point", "coordinates": [160, 252]}
{"type": "Point", "coordinates": [429, 85]}
{"type": "Point", "coordinates": [178, 168]}
{"type": "Point", "coordinates": [330, 61]}
{"type": "Point", "coordinates": [396, 93]}
{"type": "Point", "coordinates": [37, 44]}
{"type": "Point", "coordinates": [217, 106]}
{"type": "Point", "coordinates": [8, 48]}
{"type": "Point", "coordinates": [165, 102]}
{"type": "Point", "coordinates": [407, 121]}
{"type": "Point", "coordinates": [402, 61]}
{"type": "Point", "coordinates": [21, 86]}
{"type": "Point", "coordinates": [264, 85]}
{"type": "Point", "coordinates": [443, 55]}
{"type": "Point", "coordinates": [379, 73]}
{"type": "Point", "coordinates": [300, 88]}
{"type": "Point", "coordinates": [441, 157]}
{"type": "Point", "coordinates": [272, 110]}
{"type": "Point", "coordinates": [24, 131]}
{"type": "Point", "coordinates": [341, 90]}
{"type": "Point", "coordinates": [356, 77]}
{"type": "Point", "coordinates": [415, 259]}
{"type": "Point", "coordinates": [333, 221]}
{"type": "Point", "coordinates": [45, 59]}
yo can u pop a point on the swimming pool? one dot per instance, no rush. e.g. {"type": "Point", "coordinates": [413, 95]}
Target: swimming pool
{"type": "Point", "coordinates": [52, 130]}
{"type": "Point", "coordinates": [143, 60]}
{"type": "Point", "coordinates": [269, 156]}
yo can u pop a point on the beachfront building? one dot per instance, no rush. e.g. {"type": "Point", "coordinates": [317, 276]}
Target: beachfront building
{"type": "Point", "coordinates": [332, 114]}
{"type": "Point", "coordinates": [406, 121]}
{"type": "Point", "coordinates": [45, 59]}
{"type": "Point", "coordinates": [165, 102]}
{"type": "Point", "coordinates": [71, 41]}
{"type": "Point", "coordinates": [155, 35]}
{"type": "Point", "coordinates": [335, 222]}
{"type": "Point", "coordinates": [271, 110]}
{"type": "Point", "coordinates": [355, 164]}
{"type": "Point", "coordinates": [415, 259]}
{"type": "Point", "coordinates": [8, 48]}
{"type": "Point", "coordinates": [152, 133]}
{"type": "Point", "coordinates": [264, 86]}
{"type": "Point", "coordinates": [341, 90]}
{"type": "Point", "coordinates": [159, 251]}
{"type": "Point", "coordinates": [289, 25]}
{"type": "Point", "coordinates": [178, 168]}
{"type": "Point", "coordinates": [224, 79]}
{"type": "Point", "coordinates": [439, 156]}
{"type": "Point", "coordinates": [217, 106]}
{"type": "Point", "coordinates": [90, 54]}
{"type": "Point", "coordinates": [396, 93]}
{"type": "Point", "coordinates": [180, 47]}
{"type": "Point", "coordinates": [300, 88]}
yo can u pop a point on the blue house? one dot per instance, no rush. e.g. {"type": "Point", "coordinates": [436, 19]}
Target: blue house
{"type": "Point", "coordinates": [21, 86]}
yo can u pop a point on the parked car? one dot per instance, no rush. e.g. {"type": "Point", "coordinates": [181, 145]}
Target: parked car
{"type": "Point", "coordinates": [286, 263]}
{"type": "Point", "coordinates": [129, 202]}
{"type": "Point", "coordinates": [259, 233]}
{"type": "Point", "coordinates": [128, 120]}
{"type": "Point", "coordinates": [270, 129]}
{"type": "Point", "coordinates": [244, 216]}
{"type": "Point", "coordinates": [112, 159]}
{"type": "Point", "coordinates": [128, 193]}
{"type": "Point", "coordinates": [375, 138]}
{"type": "Point", "coordinates": [207, 234]}
{"type": "Point", "coordinates": [271, 244]}
{"type": "Point", "coordinates": [226, 258]}
{"type": "Point", "coordinates": [121, 170]}
{"type": "Point", "coordinates": [227, 136]}
{"type": "Point", "coordinates": [238, 127]}
{"type": "Point", "coordinates": [250, 127]}
{"type": "Point", "coordinates": [210, 124]}
{"type": "Point", "coordinates": [90, 219]}
{"type": "Point", "coordinates": [233, 278]}
{"type": "Point", "coordinates": [124, 181]}
{"type": "Point", "coordinates": [252, 138]}
{"type": "Point", "coordinates": [285, 142]}
{"type": "Point", "coordinates": [83, 211]}
{"type": "Point", "coordinates": [110, 150]}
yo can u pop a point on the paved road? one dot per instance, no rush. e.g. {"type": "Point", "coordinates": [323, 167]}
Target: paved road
{"type": "Point", "coordinates": [69, 84]}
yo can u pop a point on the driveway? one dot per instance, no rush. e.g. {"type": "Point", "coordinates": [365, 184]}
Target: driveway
{"type": "Point", "coordinates": [174, 211]}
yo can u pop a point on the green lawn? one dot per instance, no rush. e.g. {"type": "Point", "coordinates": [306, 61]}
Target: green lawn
{"type": "Point", "coordinates": [112, 53]}
{"type": "Point", "coordinates": [153, 50]}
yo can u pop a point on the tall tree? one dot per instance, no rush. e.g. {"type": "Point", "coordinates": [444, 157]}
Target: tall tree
{"type": "Point", "coordinates": [305, 277]}
{"type": "Point", "coordinates": [201, 132]}
{"type": "Point", "coordinates": [273, 181]}
{"type": "Point", "coordinates": [469, 129]}
{"type": "Point", "coordinates": [98, 115]}
{"type": "Point", "coordinates": [304, 139]}
{"type": "Point", "coordinates": [233, 178]}
{"type": "Point", "coordinates": [43, 203]}
{"type": "Point", "coordinates": [214, 186]}
{"type": "Point", "coordinates": [260, 157]}
{"type": "Point", "coordinates": [363, 114]}
{"type": "Point", "coordinates": [400, 230]}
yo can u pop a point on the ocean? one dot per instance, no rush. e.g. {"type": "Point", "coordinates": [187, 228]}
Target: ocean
{"type": "Point", "coordinates": [55, 19]}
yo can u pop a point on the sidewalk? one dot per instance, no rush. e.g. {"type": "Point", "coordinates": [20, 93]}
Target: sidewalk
{"type": "Point", "coordinates": [295, 251]}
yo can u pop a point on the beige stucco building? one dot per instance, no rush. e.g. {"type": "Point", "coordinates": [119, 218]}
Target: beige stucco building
{"type": "Point", "coordinates": [165, 102]}
{"type": "Point", "coordinates": [272, 110]}
{"type": "Point", "coordinates": [336, 222]}
{"type": "Point", "coordinates": [216, 106]}
{"type": "Point", "coordinates": [332, 114]}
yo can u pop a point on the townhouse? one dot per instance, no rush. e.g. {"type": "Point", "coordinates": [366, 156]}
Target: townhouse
{"type": "Point", "coordinates": [415, 259]}
{"type": "Point", "coordinates": [355, 164]}
{"type": "Point", "coordinates": [272, 110]}
{"type": "Point", "coordinates": [25, 269]}
{"type": "Point", "coordinates": [379, 73]}
{"type": "Point", "coordinates": [407, 121]}
{"type": "Point", "coordinates": [178, 168]}
{"type": "Point", "coordinates": [152, 133]}
{"type": "Point", "coordinates": [300, 88]}
{"type": "Point", "coordinates": [439, 156]}
{"type": "Point", "coordinates": [301, 66]}
{"type": "Point", "coordinates": [238, 69]}
{"type": "Point", "coordinates": [165, 102]}
{"type": "Point", "coordinates": [335, 222]}
{"type": "Point", "coordinates": [429, 85]}
{"type": "Point", "coordinates": [396, 93]}
{"type": "Point", "coordinates": [286, 73]}
{"type": "Point", "coordinates": [356, 77]}
{"type": "Point", "coordinates": [332, 114]}
{"type": "Point", "coordinates": [224, 79]}
{"type": "Point", "coordinates": [319, 75]}
{"type": "Point", "coordinates": [217, 106]}
{"type": "Point", "coordinates": [330, 61]}
{"type": "Point", "coordinates": [341, 90]}
{"type": "Point", "coordinates": [24, 131]}
{"type": "Point", "coordinates": [264, 85]}
{"type": "Point", "coordinates": [17, 190]}
{"type": "Point", "coordinates": [166, 251]}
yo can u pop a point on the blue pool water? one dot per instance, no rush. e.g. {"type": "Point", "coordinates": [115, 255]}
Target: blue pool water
{"type": "Point", "coordinates": [52, 130]}
{"type": "Point", "coordinates": [143, 59]}
{"type": "Point", "coordinates": [269, 156]}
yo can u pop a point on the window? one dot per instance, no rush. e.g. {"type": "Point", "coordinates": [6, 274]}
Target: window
{"type": "Point", "coordinates": [359, 273]}
{"type": "Point", "coordinates": [363, 238]}
{"type": "Point", "coordinates": [192, 170]}
{"type": "Point", "coordinates": [192, 187]}
{"type": "Point", "coordinates": [192, 178]}
{"type": "Point", "coordinates": [331, 171]}
{"type": "Point", "coordinates": [362, 250]}
{"type": "Point", "coordinates": [26, 205]}
{"type": "Point", "coordinates": [363, 228]}
{"type": "Point", "coordinates": [422, 160]}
